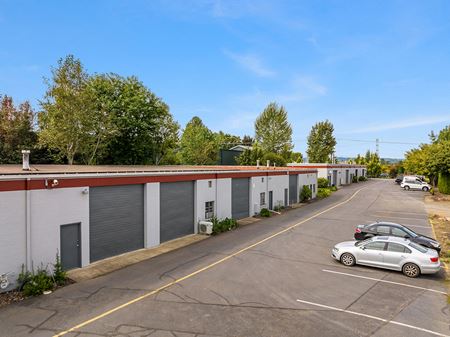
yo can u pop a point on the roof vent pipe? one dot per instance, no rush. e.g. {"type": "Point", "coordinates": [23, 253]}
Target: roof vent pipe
{"type": "Point", "coordinates": [257, 163]}
{"type": "Point", "coordinates": [268, 163]}
{"type": "Point", "coordinates": [26, 160]}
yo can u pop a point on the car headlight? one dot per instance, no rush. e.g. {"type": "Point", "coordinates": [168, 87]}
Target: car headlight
{"type": "Point", "coordinates": [335, 249]}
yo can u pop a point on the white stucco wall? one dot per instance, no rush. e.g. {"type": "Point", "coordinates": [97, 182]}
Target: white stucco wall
{"type": "Point", "coordinates": [152, 215]}
{"type": "Point", "coordinates": [258, 185]}
{"type": "Point", "coordinates": [12, 234]}
{"type": "Point", "coordinates": [309, 179]}
{"type": "Point", "coordinates": [223, 200]}
{"type": "Point", "coordinates": [277, 184]}
{"type": "Point", "coordinates": [203, 194]}
{"type": "Point", "coordinates": [49, 210]}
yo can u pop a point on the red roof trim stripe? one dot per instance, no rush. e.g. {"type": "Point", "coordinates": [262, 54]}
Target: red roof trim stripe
{"type": "Point", "coordinates": [40, 183]}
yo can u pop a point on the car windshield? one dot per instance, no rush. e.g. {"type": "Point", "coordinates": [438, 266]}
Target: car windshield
{"type": "Point", "coordinates": [359, 243]}
{"type": "Point", "coordinates": [417, 247]}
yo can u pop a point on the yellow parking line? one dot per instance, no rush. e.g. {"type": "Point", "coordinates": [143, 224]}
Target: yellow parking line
{"type": "Point", "coordinates": [137, 299]}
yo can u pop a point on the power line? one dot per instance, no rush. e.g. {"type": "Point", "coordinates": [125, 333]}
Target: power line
{"type": "Point", "coordinates": [376, 141]}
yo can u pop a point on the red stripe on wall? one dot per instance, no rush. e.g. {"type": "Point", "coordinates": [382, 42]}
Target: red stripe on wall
{"type": "Point", "coordinates": [39, 184]}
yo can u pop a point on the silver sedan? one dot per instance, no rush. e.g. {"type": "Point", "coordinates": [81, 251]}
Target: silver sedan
{"type": "Point", "coordinates": [390, 253]}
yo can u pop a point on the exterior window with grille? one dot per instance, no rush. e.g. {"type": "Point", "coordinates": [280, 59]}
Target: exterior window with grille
{"type": "Point", "coordinates": [209, 209]}
{"type": "Point", "coordinates": [262, 198]}
{"type": "Point", "coordinates": [209, 183]}
{"type": "Point", "coordinates": [262, 179]}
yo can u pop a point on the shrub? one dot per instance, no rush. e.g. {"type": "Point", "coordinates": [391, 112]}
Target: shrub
{"type": "Point", "coordinates": [305, 193]}
{"type": "Point", "coordinates": [322, 183]}
{"type": "Point", "coordinates": [274, 158]}
{"type": "Point", "coordinates": [362, 178]}
{"type": "Point", "coordinates": [323, 193]}
{"type": "Point", "coordinates": [59, 275]}
{"type": "Point", "coordinates": [444, 183]}
{"type": "Point", "coordinates": [34, 284]}
{"type": "Point", "coordinates": [354, 179]}
{"type": "Point", "coordinates": [333, 188]}
{"type": "Point", "coordinates": [223, 225]}
{"type": "Point", "coordinates": [265, 212]}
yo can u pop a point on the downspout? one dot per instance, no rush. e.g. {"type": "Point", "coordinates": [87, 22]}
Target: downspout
{"type": "Point", "coordinates": [28, 262]}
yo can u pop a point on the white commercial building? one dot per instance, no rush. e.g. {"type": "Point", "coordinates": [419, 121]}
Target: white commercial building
{"type": "Point", "coordinates": [336, 174]}
{"type": "Point", "coordinates": [86, 213]}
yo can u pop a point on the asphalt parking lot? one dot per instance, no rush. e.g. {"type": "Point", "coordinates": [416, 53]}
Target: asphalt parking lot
{"type": "Point", "coordinates": [272, 278]}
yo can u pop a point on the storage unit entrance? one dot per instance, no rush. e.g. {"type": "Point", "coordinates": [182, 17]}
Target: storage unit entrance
{"type": "Point", "coordinates": [293, 183]}
{"type": "Point", "coordinates": [116, 220]}
{"type": "Point", "coordinates": [176, 210]}
{"type": "Point", "coordinates": [240, 198]}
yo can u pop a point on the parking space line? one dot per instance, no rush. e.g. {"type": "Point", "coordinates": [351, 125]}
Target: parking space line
{"type": "Point", "coordinates": [207, 267]}
{"type": "Point", "coordinates": [374, 318]}
{"type": "Point", "coordinates": [384, 281]}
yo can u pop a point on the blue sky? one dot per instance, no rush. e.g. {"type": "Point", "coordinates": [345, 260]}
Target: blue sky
{"type": "Point", "coordinates": [376, 69]}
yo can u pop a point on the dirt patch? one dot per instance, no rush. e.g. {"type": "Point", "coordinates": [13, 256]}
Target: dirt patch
{"type": "Point", "coordinates": [11, 297]}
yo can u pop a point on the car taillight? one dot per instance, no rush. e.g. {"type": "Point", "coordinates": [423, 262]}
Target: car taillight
{"type": "Point", "coordinates": [357, 230]}
{"type": "Point", "coordinates": [434, 259]}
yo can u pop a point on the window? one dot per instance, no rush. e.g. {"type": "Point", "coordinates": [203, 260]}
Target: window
{"type": "Point", "coordinates": [399, 232]}
{"type": "Point", "coordinates": [262, 198]}
{"type": "Point", "coordinates": [383, 230]}
{"type": "Point", "coordinates": [396, 247]}
{"type": "Point", "coordinates": [210, 183]}
{"type": "Point", "coordinates": [314, 188]}
{"type": "Point", "coordinates": [310, 187]}
{"type": "Point", "coordinates": [209, 209]}
{"type": "Point", "coordinates": [418, 247]}
{"type": "Point", "coordinates": [377, 245]}
{"type": "Point", "coordinates": [262, 179]}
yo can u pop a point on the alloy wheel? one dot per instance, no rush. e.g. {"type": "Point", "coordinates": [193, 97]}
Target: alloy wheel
{"type": "Point", "coordinates": [411, 270]}
{"type": "Point", "coordinates": [348, 259]}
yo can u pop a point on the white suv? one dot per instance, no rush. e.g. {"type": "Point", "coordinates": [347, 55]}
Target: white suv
{"type": "Point", "coordinates": [414, 183]}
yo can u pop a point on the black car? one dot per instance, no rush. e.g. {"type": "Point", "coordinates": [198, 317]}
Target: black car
{"type": "Point", "coordinates": [399, 179]}
{"type": "Point", "coordinates": [363, 232]}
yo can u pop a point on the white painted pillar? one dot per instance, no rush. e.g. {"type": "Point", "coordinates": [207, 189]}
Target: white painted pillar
{"type": "Point", "coordinates": [151, 215]}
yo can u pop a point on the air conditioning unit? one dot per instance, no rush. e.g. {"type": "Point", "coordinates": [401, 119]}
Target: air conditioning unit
{"type": "Point", "coordinates": [205, 227]}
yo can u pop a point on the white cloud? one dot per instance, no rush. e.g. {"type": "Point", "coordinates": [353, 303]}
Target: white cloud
{"type": "Point", "coordinates": [407, 122]}
{"type": "Point", "coordinates": [252, 63]}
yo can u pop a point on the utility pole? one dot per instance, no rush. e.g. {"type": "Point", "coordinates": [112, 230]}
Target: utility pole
{"type": "Point", "coordinates": [377, 141]}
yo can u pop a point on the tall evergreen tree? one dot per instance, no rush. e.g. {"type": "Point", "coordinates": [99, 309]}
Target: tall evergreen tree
{"type": "Point", "coordinates": [198, 144]}
{"type": "Point", "coordinates": [273, 131]}
{"type": "Point", "coordinates": [321, 143]}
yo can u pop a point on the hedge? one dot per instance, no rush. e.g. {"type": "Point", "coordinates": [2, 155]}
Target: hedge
{"type": "Point", "coordinates": [444, 183]}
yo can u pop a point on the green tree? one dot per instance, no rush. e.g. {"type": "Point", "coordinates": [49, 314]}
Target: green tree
{"type": "Point", "coordinates": [65, 114]}
{"type": "Point", "coordinates": [197, 144]}
{"type": "Point", "coordinates": [272, 129]}
{"type": "Point", "coordinates": [16, 130]}
{"type": "Point", "coordinates": [250, 157]}
{"type": "Point", "coordinates": [226, 141]}
{"type": "Point", "coordinates": [247, 140]}
{"type": "Point", "coordinates": [321, 143]}
{"type": "Point", "coordinates": [145, 129]}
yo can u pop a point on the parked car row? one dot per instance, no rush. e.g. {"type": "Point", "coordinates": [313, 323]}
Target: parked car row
{"type": "Point", "coordinates": [413, 183]}
{"type": "Point", "coordinates": [392, 246]}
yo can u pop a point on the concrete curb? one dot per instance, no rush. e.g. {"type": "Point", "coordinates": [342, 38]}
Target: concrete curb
{"type": "Point", "coordinates": [114, 263]}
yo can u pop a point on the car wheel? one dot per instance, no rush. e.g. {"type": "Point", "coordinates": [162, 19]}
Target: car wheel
{"type": "Point", "coordinates": [411, 270]}
{"type": "Point", "coordinates": [425, 189]}
{"type": "Point", "coordinates": [348, 259]}
{"type": "Point", "coordinates": [406, 187]}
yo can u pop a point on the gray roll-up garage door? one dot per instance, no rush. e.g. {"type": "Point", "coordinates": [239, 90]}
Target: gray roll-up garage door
{"type": "Point", "coordinates": [240, 201]}
{"type": "Point", "coordinates": [176, 209]}
{"type": "Point", "coordinates": [116, 220]}
{"type": "Point", "coordinates": [293, 189]}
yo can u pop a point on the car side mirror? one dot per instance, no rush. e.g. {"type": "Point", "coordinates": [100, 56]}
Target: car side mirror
{"type": "Point", "coordinates": [406, 236]}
